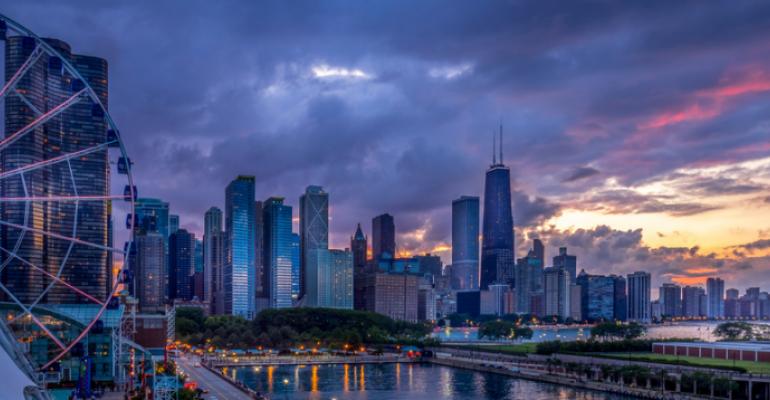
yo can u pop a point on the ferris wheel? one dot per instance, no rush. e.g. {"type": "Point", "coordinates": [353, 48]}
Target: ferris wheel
{"type": "Point", "coordinates": [66, 196]}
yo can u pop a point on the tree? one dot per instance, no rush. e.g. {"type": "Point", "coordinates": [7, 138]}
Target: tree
{"type": "Point", "coordinates": [734, 331]}
{"type": "Point", "coordinates": [632, 330]}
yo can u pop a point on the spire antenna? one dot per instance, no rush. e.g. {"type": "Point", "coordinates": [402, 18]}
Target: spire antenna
{"type": "Point", "coordinates": [501, 142]}
{"type": "Point", "coordinates": [494, 150]}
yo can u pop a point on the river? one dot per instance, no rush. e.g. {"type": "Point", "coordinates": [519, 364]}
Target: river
{"type": "Point", "coordinates": [398, 381]}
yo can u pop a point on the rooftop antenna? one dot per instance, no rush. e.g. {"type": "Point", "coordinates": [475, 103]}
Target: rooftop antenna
{"type": "Point", "coordinates": [494, 150]}
{"type": "Point", "coordinates": [501, 142]}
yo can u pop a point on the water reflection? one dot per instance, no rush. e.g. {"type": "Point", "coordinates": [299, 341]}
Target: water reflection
{"type": "Point", "coordinates": [387, 381]}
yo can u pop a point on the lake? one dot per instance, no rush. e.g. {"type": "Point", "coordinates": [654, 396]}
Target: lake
{"type": "Point", "coordinates": [394, 381]}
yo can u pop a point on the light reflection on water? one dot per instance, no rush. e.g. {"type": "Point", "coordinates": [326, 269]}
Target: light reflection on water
{"type": "Point", "coordinates": [391, 381]}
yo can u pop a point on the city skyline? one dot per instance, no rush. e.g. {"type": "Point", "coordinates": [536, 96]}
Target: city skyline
{"type": "Point", "coordinates": [674, 176]}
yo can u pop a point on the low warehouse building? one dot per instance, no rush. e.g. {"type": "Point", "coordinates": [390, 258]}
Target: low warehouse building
{"type": "Point", "coordinates": [740, 351]}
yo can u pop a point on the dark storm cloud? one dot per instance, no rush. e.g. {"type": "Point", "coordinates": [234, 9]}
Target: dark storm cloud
{"type": "Point", "coordinates": [580, 173]}
{"type": "Point", "coordinates": [204, 91]}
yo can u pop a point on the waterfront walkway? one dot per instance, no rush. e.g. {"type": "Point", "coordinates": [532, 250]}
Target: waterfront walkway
{"type": "Point", "coordinates": [257, 361]}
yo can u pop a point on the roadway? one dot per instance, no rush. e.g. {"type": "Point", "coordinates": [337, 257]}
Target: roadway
{"type": "Point", "coordinates": [218, 388]}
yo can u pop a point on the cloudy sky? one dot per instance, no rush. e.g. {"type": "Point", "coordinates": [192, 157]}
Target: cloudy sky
{"type": "Point", "coordinates": [638, 134]}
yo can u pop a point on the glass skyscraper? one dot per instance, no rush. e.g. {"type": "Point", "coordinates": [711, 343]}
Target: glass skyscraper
{"type": "Point", "coordinates": [278, 250]}
{"type": "Point", "coordinates": [465, 243]}
{"type": "Point", "coordinates": [566, 262]}
{"type": "Point", "coordinates": [597, 297]}
{"type": "Point", "coordinates": [239, 274]}
{"type": "Point", "coordinates": [715, 295]}
{"type": "Point", "coordinates": [43, 87]}
{"type": "Point", "coordinates": [314, 235]}
{"type": "Point", "coordinates": [338, 284]}
{"type": "Point", "coordinates": [497, 251]}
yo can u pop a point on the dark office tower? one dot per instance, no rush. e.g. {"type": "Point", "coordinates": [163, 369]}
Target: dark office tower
{"type": "Point", "coordinates": [670, 296]}
{"type": "Point", "coordinates": [538, 250]}
{"type": "Point", "coordinates": [239, 276]}
{"type": "Point", "coordinates": [173, 223]}
{"type": "Point", "coordinates": [213, 260]}
{"type": "Point", "coordinates": [465, 243]}
{"type": "Point", "coordinates": [181, 252]}
{"type": "Point", "coordinates": [150, 272]}
{"type": "Point", "coordinates": [529, 285]}
{"type": "Point", "coordinates": [691, 301]}
{"type": "Point", "coordinates": [79, 127]}
{"type": "Point", "coordinates": [620, 299]}
{"type": "Point", "coordinates": [278, 251]}
{"type": "Point", "coordinates": [262, 286]}
{"type": "Point", "coordinates": [358, 246]}
{"type": "Point", "coordinates": [313, 232]}
{"type": "Point", "coordinates": [568, 262]}
{"type": "Point", "coordinates": [497, 255]}
{"type": "Point", "coordinates": [597, 297]}
{"type": "Point", "coordinates": [383, 236]}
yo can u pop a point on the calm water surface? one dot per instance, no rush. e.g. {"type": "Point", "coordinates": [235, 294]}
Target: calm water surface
{"type": "Point", "coordinates": [398, 381]}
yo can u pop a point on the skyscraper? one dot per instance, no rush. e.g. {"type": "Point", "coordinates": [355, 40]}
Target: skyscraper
{"type": "Point", "coordinates": [691, 301]}
{"type": "Point", "coordinates": [620, 300]}
{"type": "Point", "coordinates": [639, 296]}
{"type": "Point", "coordinates": [239, 275]}
{"type": "Point", "coordinates": [557, 292]}
{"type": "Point", "coordinates": [383, 236]}
{"type": "Point", "coordinates": [670, 296]}
{"type": "Point", "coordinates": [715, 292]}
{"type": "Point", "coordinates": [152, 215]}
{"type": "Point", "coordinates": [597, 296]}
{"type": "Point", "coordinates": [497, 256]}
{"type": "Point", "coordinates": [173, 223]}
{"type": "Point", "coordinates": [296, 273]}
{"type": "Point", "coordinates": [213, 260]}
{"type": "Point", "coordinates": [150, 272]}
{"type": "Point", "coordinates": [336, 286]}
{"type": "Point", "coordinates": [568, 262]}
{"type": "Point", "coordinates": [278, 251]}
{"type": "Point", "coordinates": [465, 243]}
{"type": "Point", "coordinates": [529, 284]}
{"type": "Point", "coordinates": [261, 277]}
{"type": "Point", "coordinates": [313, 231]}
{"type": "Point", "coordinates": [358, 246]}
{"type": "Point", "coordinates": [182, 265]}
{"type": "Point", "coordinates": [78, 127]}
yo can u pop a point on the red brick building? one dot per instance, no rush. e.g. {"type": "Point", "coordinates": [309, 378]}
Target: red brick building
{"type": "Point", "coordinates": [740, 351]}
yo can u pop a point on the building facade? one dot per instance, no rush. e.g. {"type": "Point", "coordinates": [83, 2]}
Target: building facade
{"type": "Point", "coordinates": [497, 256]}
{"type": "Point", "coordinates": [715, 294]}
{"type": "Point", "coordinates": [213, 260]}
{"type": "Point", "coordinates": [465, 243]}
{"type": "Point", "coordinates": [670, 296]}
{"type": "Point", "coordinates": [383, 236]}
{"type": "Point", "coordinates": [150, 275]}
{"type": "Point", "coordinates": [239, 273]}
{"type": "Point", "coordinates": [639, 288]}
{"type": "Point", "coordinates": [182, 265]}
{"type": "Point", "coordinates": [278, 251]}
{"type": "Point", "coordinates": [557, 292]}
{"type": "Point", "coordinates": [567, 262]}
{"type": "Point", "coordinates": [313, 231]}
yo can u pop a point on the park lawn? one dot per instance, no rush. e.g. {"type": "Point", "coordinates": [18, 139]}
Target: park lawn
{"type": "Point", "coordinates": [520, 348]}
{"type": "Point", "coordinates": [750, 366]}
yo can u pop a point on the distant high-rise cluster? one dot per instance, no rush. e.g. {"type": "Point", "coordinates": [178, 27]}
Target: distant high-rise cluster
{"type": "Point", "coordinates": [250, 259]}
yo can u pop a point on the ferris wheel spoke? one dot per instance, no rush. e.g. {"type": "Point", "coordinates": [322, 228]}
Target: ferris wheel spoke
{"type": "Point", "coordinates": [62, 237]}
{"type": "Point", "coordinates": [37, 322]}
{"type": "Point", "coordinates": [33, 57]}
{"type": "Point", "coordinates": [52, 276]}
{"type": "Point", "coordinates": [43, 199]}
{"type": "Point", "coordinates": [75, 98]}
{"type": "Point", "coordinates": [55, 160]}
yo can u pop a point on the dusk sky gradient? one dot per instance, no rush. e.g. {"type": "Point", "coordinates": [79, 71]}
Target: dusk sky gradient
{"type": "Point", "coordinates": [637, 133]}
